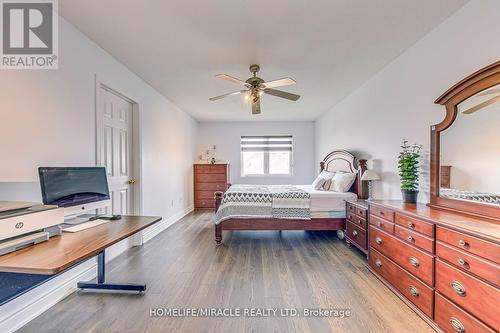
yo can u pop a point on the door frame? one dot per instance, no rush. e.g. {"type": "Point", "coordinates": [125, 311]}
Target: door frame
{"type": "Point", "coordinates": [136, 139]}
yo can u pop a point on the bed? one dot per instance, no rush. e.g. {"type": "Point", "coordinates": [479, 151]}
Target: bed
{"type": "Point", "coordinates": [312, 209]}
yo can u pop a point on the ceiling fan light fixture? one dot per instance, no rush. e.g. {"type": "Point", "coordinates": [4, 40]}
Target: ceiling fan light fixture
{"type": "Point", "coordinates": [256, 87]}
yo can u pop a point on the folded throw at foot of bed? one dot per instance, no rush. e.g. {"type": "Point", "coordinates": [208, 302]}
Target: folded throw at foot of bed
{"type": "Point", "coordinates": [264, 201]}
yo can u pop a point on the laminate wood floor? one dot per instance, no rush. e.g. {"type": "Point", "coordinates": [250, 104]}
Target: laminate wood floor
{"type": "Point", "coordinates": [270, 269]}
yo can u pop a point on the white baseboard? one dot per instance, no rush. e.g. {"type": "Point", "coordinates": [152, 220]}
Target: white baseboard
{"type": "Point", "coordinates": [21, 310]}
{"type": "Point", "coordinates": [155, 229]}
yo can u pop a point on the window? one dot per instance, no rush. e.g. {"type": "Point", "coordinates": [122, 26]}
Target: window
{"type": "Point", "coordinates": [266, 155]}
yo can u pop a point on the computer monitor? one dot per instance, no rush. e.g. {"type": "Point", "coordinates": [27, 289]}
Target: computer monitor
{"type": "Point", "coordinates": [77, 189]}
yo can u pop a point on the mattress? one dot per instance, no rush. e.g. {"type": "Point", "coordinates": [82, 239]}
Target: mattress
{"type": "Point", "coordinates": [325, 201]}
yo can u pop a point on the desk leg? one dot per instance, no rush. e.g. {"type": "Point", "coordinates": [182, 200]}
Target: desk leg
{"type": "Point", "coordinates": [101, 278]}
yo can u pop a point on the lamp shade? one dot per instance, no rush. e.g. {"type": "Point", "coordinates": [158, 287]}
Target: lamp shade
{"type": "Point", "coordinates": [370, 175]}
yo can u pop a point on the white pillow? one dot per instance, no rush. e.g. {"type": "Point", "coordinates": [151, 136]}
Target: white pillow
{"type": "Point", "coordinates": [322, 178]}
{"type": "Point", "coordinates": [318, 183]}
{"type": "Point", "coordinates": [342, 182]}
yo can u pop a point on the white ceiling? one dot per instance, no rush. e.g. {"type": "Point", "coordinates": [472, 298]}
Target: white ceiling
{"type": "Point", "coordinates": [330, 47]}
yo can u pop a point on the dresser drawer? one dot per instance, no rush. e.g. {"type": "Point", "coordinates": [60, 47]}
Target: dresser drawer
{"type": "Point", "coordinates": [410, 258]}
{"type": "Point", "coordinates": [204, 195]}
{"type": "Point", "coordinates": [361, 212]}
{"type": "Point", "coordinates": [382, 224]}
{"type": "Point", "coordinates": [350, 208]}
{"type": "Point", "coordinates": [476, 297]}
{"type": "Point", "coordinates": [204, 203]}
{"type": "Point", "coordinates": [222, 186]}
{"type": "Point", "coordinates": [211, 177]}
{"type": "Point", "coordinates": [356, 234]}
{"type": "Point", "coordinates": [382, 212]}
{"type": "Point", "coordinates": [216, 168]}
{"type": "Point", "coordinates": [469, 244]}
{"type": "Point", "coordinates": [452, 319]}
{"type": "Point", "coordinates": [485, 269]}
{"type": "Point", "coordinates": [414, 238]}
{"type": "Point", "coordinates": [360, 222]}
{"type": "Point", "coordinates": [414, 290]}
{"type": "Point", "coordinates": [415, 224]}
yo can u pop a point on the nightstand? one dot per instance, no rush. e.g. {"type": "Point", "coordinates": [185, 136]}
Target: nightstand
{"type": "Point", "coordinates": [357, 224]}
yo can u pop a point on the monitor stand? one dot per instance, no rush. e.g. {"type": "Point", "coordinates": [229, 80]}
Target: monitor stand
{"type": "Point", "coordinates": [74, 220]}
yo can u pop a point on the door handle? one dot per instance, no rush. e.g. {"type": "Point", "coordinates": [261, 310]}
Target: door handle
{"type": "Point", "coordinates": [131, 181]}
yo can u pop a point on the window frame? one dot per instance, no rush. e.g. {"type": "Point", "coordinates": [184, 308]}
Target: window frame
{"type": "Point", "coordinates": [266, 173]}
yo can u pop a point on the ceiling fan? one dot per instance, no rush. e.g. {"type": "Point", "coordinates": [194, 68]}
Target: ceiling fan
{"type": "Point", "coordinates": [255, 87]}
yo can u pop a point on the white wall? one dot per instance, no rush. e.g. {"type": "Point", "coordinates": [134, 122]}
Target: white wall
{"type": "Point", "coordinates": [226, 136]}
{"type": "Point", "coordinates": [48, 119]}
{"type": "Point", "coordinates": [398, 102]}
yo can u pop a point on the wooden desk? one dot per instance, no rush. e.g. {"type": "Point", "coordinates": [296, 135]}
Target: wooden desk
{"type": "Point", "coordinates": [62, 252]}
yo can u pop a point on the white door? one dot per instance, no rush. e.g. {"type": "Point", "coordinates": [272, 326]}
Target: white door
{"type": "Point", "coordinates": [115, 128]}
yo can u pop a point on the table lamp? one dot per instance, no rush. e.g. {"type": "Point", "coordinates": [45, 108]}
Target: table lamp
{"type": "Point", "coordinates": [369, 176]}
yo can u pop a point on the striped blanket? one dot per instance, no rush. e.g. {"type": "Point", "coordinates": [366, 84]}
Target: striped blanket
{"type": "Point", "coordinates": [264, 201]}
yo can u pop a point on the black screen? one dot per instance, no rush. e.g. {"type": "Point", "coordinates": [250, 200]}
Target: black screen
{"type": "Point", "coordinates": [67, 187]}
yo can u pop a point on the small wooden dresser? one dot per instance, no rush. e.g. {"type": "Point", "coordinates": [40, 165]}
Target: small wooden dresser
{"type": "Point", "coordinates": [208, 179]}
{"type": "Point", "coordinates": [357, 224]}
{"type": "Point", "coordinates": [445, 265]}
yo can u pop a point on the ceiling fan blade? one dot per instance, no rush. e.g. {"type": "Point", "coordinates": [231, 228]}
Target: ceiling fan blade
{"type": "Point", "coordinates": [256, 106]}
{"type": "Point", "coordinates": [231, 78]}
{"type": "Point", "coordinates": [228, 94]}
{"type": "Point", "coordinates": [482, 105]}
{"type": "Point", "coordinates": [279, 83]}
{"type": "Point", "coordinates": [282, 94]}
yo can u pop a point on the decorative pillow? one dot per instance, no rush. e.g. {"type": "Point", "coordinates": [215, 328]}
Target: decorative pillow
{"type": "Point", "coordinates": [342, 182]}
{"type": "Point", "coordinates": [318, 183]}
{"type": "Point", "coordinates": [322, 178]}
{"type": "Point", "coordinates": [327, 184]}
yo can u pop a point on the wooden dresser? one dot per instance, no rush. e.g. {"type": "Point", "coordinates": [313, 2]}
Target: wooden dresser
{"type": "Point", "coordinates": [444, 265]}
{"type": "Point", "coordinates": [209, 178]}
{"type": "Point", "coordinates": [357, 224]}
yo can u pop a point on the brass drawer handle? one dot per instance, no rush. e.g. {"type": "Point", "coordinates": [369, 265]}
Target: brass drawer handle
{"type": "Point", "coordinates": [414, 261]}
{"type": "Point", "coordinates": [378, 263]}
{"type": "Point", "coordinates": [411, 225]}
{"type": "Point", "coordinates": [461, 242]}
{"type": "Point", "coordinates": [461, 262]}
{"type": "Point", "coordinates": [457, 325]}
{"type": "Point", "coordinates": [414, 291]}
{"type": "Point", "coordinates": [378, 240]}
{"type": "Point", "coordinates": [354, 233]}
{"type": "Point", "coordinates": [410, 238]}
{"type": "Point", "coordinates": [458, 288]}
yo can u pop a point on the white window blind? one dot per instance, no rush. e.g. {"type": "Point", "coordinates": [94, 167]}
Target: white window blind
{"type": "Point", "coordinates": [266, 143]}
{"type": "Point", "coordinates": [266, 155]}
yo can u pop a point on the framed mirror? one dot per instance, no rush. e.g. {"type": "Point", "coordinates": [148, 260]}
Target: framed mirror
{"type": "Point", "coordinates": [465, 146]}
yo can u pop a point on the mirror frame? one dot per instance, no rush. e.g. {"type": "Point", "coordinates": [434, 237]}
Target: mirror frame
{"type": "Point", "coordinates": [471, 85]}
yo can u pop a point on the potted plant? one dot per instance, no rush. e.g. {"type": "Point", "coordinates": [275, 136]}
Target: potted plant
{"type": "Point", "coordinates": [408, 164]}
